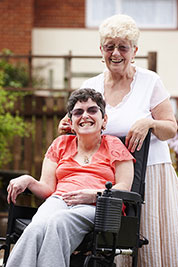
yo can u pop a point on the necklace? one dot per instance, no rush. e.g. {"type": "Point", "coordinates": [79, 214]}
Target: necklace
{"type": "Point", "coordinates": [86, 159]}
{"type": "Point", "coordinates": [84, 156]}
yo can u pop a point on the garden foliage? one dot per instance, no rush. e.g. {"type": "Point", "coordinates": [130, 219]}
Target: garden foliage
{"type": "Point", "coordinates": [11, 124]}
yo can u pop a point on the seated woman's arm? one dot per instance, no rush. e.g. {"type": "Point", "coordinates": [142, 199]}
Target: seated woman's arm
{"type": "Point", "coordinates": [42, 189]}
{"type": "Point", "coordinates": [124, 174]}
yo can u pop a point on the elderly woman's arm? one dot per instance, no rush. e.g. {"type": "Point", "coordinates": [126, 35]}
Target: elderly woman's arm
{"type": "Point", "coordinates": [42, 189]}
{"type": "Point", "coordinates": [64, 125]}
{"type": "Point", "coordinates": [163, 125]}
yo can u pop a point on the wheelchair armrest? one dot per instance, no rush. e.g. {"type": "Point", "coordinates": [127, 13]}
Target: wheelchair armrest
{"type": "Point", "coordinates": [28, 199]}
{"type": "Point", "coordinates": [127, 196]}
{"type": "Point", "coordinates": [27, 192]}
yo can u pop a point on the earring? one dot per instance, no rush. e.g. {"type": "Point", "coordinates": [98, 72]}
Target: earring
{"type": "Point", "coordinates": [133, 61]}
{"type": "Point", "coordinates": [102, 60]}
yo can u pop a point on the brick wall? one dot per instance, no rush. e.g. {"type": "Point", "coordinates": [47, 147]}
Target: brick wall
{"type": "Point", "coordinates": [16, 22]}
{"type": "Point", "coordinates": [18, 17]}
{"type": "Point", "coordinates": [59, 13]}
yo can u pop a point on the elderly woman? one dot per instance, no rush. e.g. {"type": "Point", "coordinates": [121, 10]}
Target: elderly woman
{"type": "Point", "coordinates": [75, 168]}
{"type": "Point", "coordinates": [136, 100]}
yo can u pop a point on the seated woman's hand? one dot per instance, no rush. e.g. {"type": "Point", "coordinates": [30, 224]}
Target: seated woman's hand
{"type": "Point", "coordinates": [137, 134]}
{"type": "Point", "coordinates": [85, 196]}
{"type": "Point", "coordinates": [17, 186]}
{"type": "Point", "coordinates": [64, 126]}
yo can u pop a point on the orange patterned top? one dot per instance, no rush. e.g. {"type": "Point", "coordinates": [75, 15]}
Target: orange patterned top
{"type": "Point", "coordinates": [72, 176]}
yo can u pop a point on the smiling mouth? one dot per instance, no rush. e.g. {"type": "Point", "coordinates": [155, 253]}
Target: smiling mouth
{"type": "Point", "coordinates": [117, 61]}
{"type": "Point", "coordinates": [83, 124]}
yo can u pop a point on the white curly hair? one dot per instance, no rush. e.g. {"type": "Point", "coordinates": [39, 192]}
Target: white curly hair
{"type": "Point", "coordinates": [122, 26]}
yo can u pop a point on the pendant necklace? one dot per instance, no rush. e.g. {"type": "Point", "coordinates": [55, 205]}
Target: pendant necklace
{"type": "Point", "coordinates": [86, 159]}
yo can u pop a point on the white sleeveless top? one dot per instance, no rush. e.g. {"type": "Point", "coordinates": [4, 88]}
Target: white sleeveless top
{"type": "Point", "coordinates": [147, 91]}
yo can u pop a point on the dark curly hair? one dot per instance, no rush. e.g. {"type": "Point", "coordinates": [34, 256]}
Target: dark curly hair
{"type": "Point", "coordinates": [83, 95]}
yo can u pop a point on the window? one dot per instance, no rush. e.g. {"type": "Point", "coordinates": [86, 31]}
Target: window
{"type": "Point", "coordinates": [147, 13]}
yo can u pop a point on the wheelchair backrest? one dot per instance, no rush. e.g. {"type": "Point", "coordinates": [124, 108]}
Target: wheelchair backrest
{"type": "Point", "coordinates": [141, 157]}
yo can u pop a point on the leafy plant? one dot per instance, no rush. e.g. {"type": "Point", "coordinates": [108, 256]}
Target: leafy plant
{"type": "Point", "coordinates": [15, 75]}
{"type": "Point", "coordinates": [10, 124]}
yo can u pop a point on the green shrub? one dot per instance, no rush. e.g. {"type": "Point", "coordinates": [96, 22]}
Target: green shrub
{"type": "Point", "coordinates": [15, 75]}
{"type": "Point", "coordinates": [10, 125]}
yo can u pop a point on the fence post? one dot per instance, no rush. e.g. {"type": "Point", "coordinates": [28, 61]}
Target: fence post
{"type": "Point", "coordinates": [152, 61]}
{"type": "Point", "coordinates": [30, 68]}
{"type": "Point", "coordinates": [67, 71]}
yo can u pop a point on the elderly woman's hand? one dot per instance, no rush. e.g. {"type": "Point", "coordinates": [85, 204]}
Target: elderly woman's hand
{"type": "Point", "coordinates": [64, 126]}
{"type": "Point", "coordinates": [85, 196]}
{"type": "Point", "coordinates": [137, 134]}
{"type": "Point", "coordinates": [17, 186]}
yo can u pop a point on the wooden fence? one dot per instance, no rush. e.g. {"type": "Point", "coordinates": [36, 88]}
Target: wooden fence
{"type": "Point", "coordinates": [69, 73]}
{"type": "Point", "coordinates": [43, 114]}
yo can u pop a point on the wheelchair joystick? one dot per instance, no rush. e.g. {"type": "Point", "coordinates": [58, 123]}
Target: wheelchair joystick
{"type": "Point", "coordinates": [107, 192]}
{"type": "Point", "coordinates": [108, 185]}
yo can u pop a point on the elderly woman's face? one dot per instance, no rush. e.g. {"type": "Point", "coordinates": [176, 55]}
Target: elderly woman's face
{"type": "Point", "coordinates": [87, 118]}
{"type": "Point", "coordinates": [118, 54]}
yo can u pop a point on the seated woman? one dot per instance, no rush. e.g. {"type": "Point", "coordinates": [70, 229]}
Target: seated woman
{"type": "Point", "coordinates": [74, 169]}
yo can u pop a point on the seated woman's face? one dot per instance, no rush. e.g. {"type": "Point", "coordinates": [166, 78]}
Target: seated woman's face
{"type": "Point", "coordinates": [87, 118]}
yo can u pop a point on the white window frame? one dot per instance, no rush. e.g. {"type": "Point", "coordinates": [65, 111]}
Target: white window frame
{"type": "Point", "coordinates": [98, 10]}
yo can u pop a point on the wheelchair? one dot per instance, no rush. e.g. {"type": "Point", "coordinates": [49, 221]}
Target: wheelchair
{"type": "Point", "coordinates": [114, 233]}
